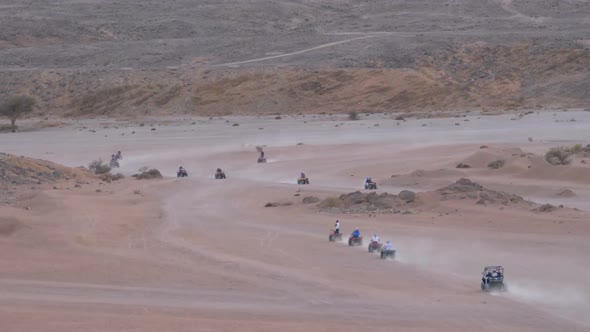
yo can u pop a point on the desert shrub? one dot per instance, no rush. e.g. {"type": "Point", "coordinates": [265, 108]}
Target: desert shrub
{"type": "Point", "coordinates": [575, 148]}
{"type": "Point", "coordinates": [496, 164]}
{"type": "Point", "coordinates": [148, 174]}
{"type": "Point", "coordinates": [353, 115]}
{"type": "Point", "coordinates": [108, 177]}
{"type": "Point", "coordinates": [99, 167]}
{"type": "Point", "coordinates": [558, 156]}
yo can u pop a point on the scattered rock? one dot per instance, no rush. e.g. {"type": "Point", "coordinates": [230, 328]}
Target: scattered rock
{"type": "Point", "coordinates": [235, 125]}
{"type": "Point", "coordinates": [483, 147]}
{"type": "Point", "coordinates": [153, 129]}
{"type": "Point", "coordinates": [310, 200]}
{"type": "Point", "coordinates": [461, 165]}
{"type": "Point", "coordinates": [465, 188]}
{"type": "Point", "coordinates": [566, 193]}
{"type": "Point", "coordinates": [545, 208]}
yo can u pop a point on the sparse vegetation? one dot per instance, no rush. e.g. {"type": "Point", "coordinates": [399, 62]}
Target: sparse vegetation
{"type": "Point", "coordinates": [559, 156]}
{"type": "Point", "coordinates": [496, 164]}
{"type": "Point", "coordinates": [575, 148]}
{"type": "Point", "coordinates": [148, 174]}
{"type": "Point", "coordinates": [353, 115]}
{"type": "Point", "coordinates": [108, 177]}
{"type": "Point", "coordinates": [99, 167]}
{"type": "Point", "coordinates": [15, 107]}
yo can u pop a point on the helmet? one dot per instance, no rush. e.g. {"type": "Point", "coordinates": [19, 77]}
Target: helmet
{"type": "Point", "coordinates": [219, 169]}
{"type": "Point", "coordinates": [388, 242]}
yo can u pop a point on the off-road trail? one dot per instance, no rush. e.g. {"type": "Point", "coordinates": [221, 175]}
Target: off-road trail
{"type": "Point", "coordinates": [203, 254]}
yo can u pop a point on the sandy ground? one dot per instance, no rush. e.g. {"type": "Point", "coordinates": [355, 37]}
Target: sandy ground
{"type": "Point", "coordinates": [196, 254]}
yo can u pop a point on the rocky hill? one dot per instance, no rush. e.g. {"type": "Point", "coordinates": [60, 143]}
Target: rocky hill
{"type": "Point", "coordinates": [213, 58]}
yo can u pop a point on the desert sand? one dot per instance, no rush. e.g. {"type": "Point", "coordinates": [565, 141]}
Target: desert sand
{"type": "Point", "coordinates": [199, 254]}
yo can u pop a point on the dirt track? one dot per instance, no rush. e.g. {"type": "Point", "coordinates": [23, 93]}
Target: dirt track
{"type": "Point", "coordinates": [200, 254]}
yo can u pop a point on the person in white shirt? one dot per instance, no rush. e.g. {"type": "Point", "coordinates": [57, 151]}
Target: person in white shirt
{"type": "Point", "coordinates": [375, 238]}
{"type": "Point", "coordinates": [337, 227]}
{"type": "Point", "coordinates": [388, 246]}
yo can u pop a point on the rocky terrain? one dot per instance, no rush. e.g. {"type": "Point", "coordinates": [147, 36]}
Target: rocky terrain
{"type": "Point", "coordinates": [19, 174]}
{"type": "Point", "coordinates": [251, 57]}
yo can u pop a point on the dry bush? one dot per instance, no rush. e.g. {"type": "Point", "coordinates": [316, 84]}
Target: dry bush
{"type": "Point", "coordinates": [575, 149]}
{"type": "Point", "coordinates": [108, 177]}
{"type": "Point", "coordinates": [496, 164]}
{"type": "Point", "coordinates": [148, 174]}
{"type": "Point", "coordinates": [353, 115]}
{"type": "Point", "coordinates": [559, 156]}
{"type": "Point", "coordinates": [99, 167]}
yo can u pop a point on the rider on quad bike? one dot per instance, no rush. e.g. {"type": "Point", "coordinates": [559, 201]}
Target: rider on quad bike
{"type": "Point", "coordinates": [337, 227]}
{"type": "Point", "coordinates": [388, 246]}
{"type": "Point", "coordinates": [219, 174]}
{"type": "Point", "coordinates": [302, 179]}
{"type": "Point", "coordinates": [114, 162]}
{"type": "Point", "coordinates": [181, 172]}
{"type": "Point", "coordinates": [375, 245]}
{"type": "Point", "coordinates": [356, 233]}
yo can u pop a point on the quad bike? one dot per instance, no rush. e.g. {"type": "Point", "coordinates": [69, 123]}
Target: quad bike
{"type": "Point", "coordinates": [303, 181]}
{"type": "Point", "coordinates": [492, 279]}
{"type": "Point", "coordinates": [371, 186]}
{"type": "Point", "coordinates": [182, 174]}
{"type": "Point", "coordinates": [335, 236]}
{"type": "Point", "coordinates": [220, 175]}
{"type": "Point", "coordinates": [387, 253]}
{"type": "Point", "coordinates": [375, 246]}
{"type": "Point", "coordinates": [261, 160]}
{"type": "Point", "coordinates": [355, 241]}
{"type": "Point", "coordinates": [114, 163]}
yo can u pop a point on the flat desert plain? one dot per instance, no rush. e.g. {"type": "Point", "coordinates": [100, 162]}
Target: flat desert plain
{"type": "Point", "coordinates": [199, 254]}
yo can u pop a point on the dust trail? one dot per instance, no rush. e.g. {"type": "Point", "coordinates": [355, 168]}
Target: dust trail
{"type": "Point", "coordinates": [570, 302]}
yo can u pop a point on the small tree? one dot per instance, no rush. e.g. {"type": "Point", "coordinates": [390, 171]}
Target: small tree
{"type": "Point", "coordinates": [17, 106]}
